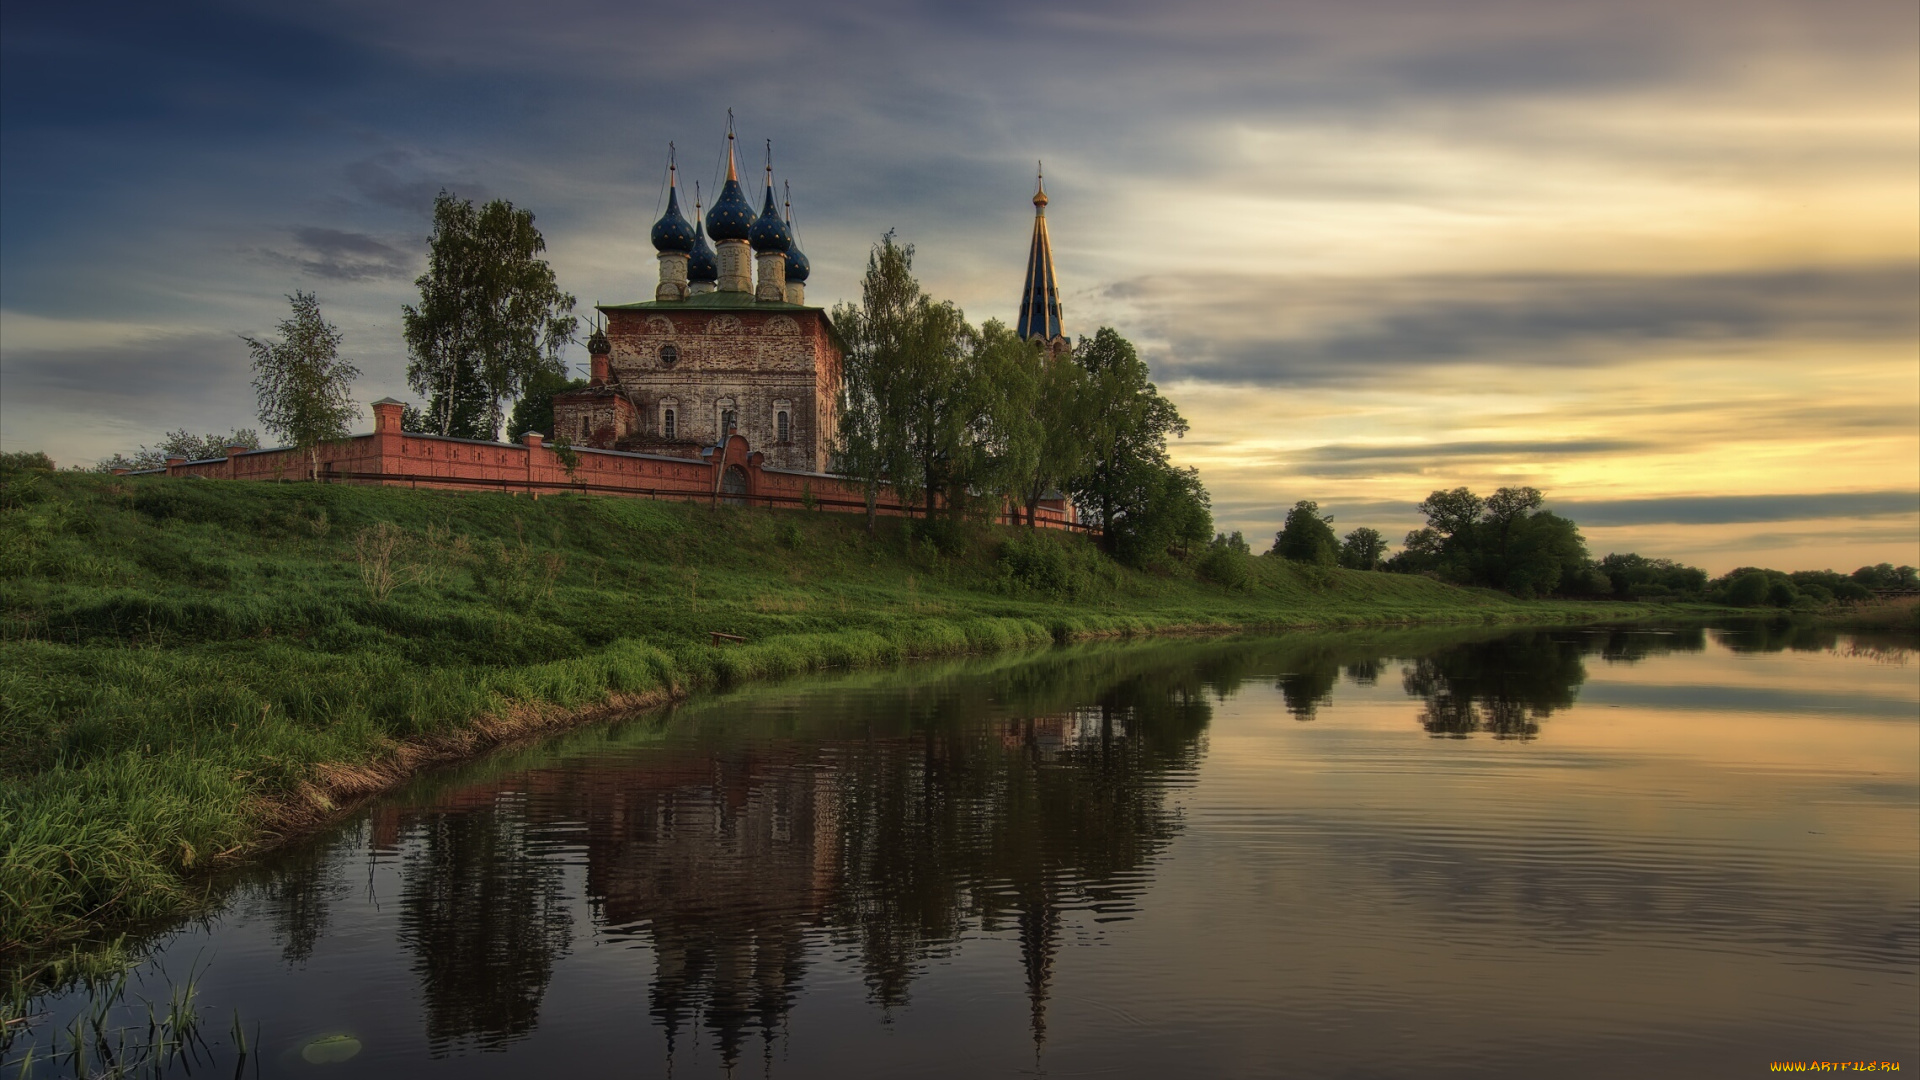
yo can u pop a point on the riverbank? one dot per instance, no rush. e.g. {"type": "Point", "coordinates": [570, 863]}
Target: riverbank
{"type": "Point", "coordinates": [192, 671]}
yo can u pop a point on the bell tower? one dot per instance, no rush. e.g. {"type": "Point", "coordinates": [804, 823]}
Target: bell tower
{"type": "Point", "coordinates": [1040, 315]}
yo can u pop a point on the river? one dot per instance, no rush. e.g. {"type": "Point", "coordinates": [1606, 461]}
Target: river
{"type": "Point", "coordinates": [1569, 852]}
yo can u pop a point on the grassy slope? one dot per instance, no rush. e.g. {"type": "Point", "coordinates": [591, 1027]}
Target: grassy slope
{"type": "Point", "coordinates": [189, 667]}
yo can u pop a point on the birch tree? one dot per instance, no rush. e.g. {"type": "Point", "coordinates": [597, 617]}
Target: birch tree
{"type": "Point", "coordinates": [302, 384]}
{"type": "Point", "coordinates": [491, 318]}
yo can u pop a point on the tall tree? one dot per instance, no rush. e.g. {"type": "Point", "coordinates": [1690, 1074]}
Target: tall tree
{"type": "Point", "coordinates": [871, 444]}
{"type": "Point", "coordinates": [1008, 372]}
{"type": "Point", "coordinates": [1307, 536]}
{"type": "Point", "coordinates": [1505, 541]}
{"type": "Point", "coordinates": [491, 317]}
{"type": "Point", "coordinates": [1363, 549]}
{"type": "Point", "coordinates": [945, 405]}
{"type": "Point", "coordinates": [1127, 423]}
{"type": "Point", "coordinates": [301, 382]}
{"type": "Point", "coordinates": [1040, 408]}
{"type": "Point", "coordinates": [915, 412]}
{"type": "Point", "coordinates": [1168, 508]}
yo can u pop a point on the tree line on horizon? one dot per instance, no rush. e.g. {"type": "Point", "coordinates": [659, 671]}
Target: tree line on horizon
{"type": "Point", "coordinates": [1511, 542]}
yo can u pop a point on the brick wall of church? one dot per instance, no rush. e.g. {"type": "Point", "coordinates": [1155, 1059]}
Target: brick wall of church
{"type": "Point", "coordinates": [394, 457]}
{"type": "Point", "coordinates": [702, 364]}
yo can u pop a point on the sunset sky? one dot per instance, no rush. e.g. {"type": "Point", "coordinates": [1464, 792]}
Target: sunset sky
{"type": "Point", "coordinates": [1660, 260]}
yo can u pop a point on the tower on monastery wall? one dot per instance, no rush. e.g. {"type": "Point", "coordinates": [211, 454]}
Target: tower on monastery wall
{"type": "Point", "coordinates": [728, 344]}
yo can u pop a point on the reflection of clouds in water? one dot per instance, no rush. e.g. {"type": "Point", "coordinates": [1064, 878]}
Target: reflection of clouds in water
{"type": "Point", "coordinates": [1571, 885]}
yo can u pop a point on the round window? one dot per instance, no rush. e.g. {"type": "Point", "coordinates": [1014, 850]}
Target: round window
{"type": "Point", "coordinates": [668, 354]}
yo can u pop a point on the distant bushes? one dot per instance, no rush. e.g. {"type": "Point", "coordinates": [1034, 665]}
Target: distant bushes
{"type": "Point", "coordinates": [1750, 586]}
{"type": "Point", "coordinates": [1227, 562]}
{"type": "Point", "coordinates": [1509, 541]}
{"type": "Point", "coordinates": [24, 461]}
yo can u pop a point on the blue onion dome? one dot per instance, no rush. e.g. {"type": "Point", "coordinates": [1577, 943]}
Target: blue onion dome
{"type": "Point", "coordinates": [672, 232]}
{"type": "Point", "coordinates": [702, 265]}
{"type": "Point", "coordinates": [770, 233]}
{"type": "Point", "coordinates": [797, 268]}
{"type": "Point", "coordinates": [732, 216]}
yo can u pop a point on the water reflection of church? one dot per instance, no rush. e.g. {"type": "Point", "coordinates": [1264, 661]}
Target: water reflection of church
{"type": "Point", "coordinates": [741, 863]}
{"type": "Point", "coordinates": [736, 868]}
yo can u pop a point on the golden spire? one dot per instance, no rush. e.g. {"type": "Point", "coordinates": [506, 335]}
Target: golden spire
{"type": "Point", "coordinates": [672, 176]}
{"type": "Point", "coordinates": [1039, 186]}
{"type": "Point", "coordinates": [732, 174]}
{"type": "Point", "coordinates": [1040, 315]}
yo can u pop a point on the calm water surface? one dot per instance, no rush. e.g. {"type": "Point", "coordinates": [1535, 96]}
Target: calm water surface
{"type": "Point", "coordinates": [1569, 852]}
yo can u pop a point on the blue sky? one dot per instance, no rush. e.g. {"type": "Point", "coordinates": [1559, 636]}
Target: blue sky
{"type": "Point", "coordinates": [1656, 259]}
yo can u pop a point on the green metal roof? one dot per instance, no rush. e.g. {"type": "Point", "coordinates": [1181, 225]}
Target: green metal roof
{"type": "Point", "coordinates": [713, 301]}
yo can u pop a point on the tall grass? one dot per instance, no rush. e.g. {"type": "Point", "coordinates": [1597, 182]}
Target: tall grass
{"type": "Point", "coordinates": [1886, 615]}
{"type": "Point", "coordinates": [187, 666]}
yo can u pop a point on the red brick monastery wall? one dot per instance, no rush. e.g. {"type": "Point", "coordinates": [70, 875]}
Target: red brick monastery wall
{"type": "Point", "coordinates": [394, 457]}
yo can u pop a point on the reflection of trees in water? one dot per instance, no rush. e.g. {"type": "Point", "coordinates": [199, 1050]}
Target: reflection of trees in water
{"type": "Point", "coordinates": [1505, 686]}
{"type": "Point", "coordinates": [1626, 645]}
{"type": "Point", "coordinates": [296, 895]}
{"type": "Point", "coordinates": [1366, 672]}
{"type": "Point", "coordinates": [1760, 636]}
{"type": "Point", "coordinates": [1050, 813]}
{"type": "Point", "coordinates": [482, 912]}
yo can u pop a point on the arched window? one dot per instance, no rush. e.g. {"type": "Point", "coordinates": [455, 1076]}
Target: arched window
{"type": "Point", "coordinates": [586, 427]}
{"type": "Point", "coordinates": [666, 424]}
{"type": "Point", "coordinates": [726, 423]}
{"type": "Point", "coordinates": [668, 355]}
{"type": "Point", "coordinates": [780, 425]}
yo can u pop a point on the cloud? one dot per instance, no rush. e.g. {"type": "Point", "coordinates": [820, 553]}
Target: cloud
{"type": "Point", "coordinates": [340, 255]}
{"type": "Point", "coordinates": [1343, 330]}
{"type": "Point", "coordinates": [1616, 513]}
{"type": "Point", "coordinates": [1384, 459]}
{"type": "Point", "coordinates": [406, 181]}
{"type": "Point", "coordinates": [195, 371]}
{"type": "Point", "coordinates": [1736, 509]}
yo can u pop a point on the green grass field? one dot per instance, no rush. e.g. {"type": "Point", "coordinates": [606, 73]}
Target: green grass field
{"type": "Point", "coordinates": [192, 669]}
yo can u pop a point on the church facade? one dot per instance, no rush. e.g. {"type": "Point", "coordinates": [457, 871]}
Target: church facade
{"type": "Point", "coordinates": [727, 346]}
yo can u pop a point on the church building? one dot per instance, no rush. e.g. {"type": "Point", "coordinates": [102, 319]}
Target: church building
{"type": "Point", "coordinates": [728, 345]}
